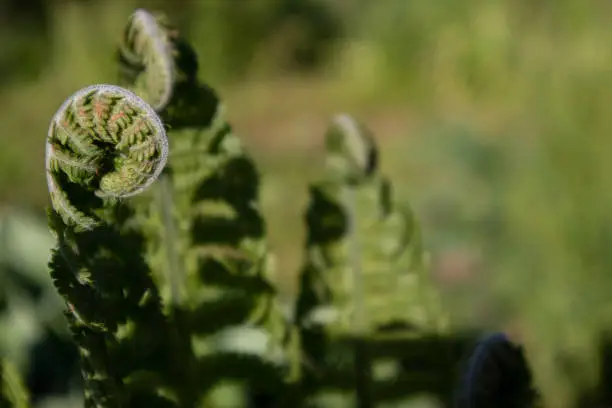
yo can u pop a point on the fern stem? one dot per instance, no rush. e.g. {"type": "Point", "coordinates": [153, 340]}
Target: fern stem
{"type": "Point", "coordinates": [174, 266]}
{"type": "Point", "coordinates": [13, 393]}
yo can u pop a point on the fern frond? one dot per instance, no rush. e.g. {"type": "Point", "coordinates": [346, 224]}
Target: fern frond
{"type": "Point", "coordinates": [113, 307]}
{"type": "Point", "coordinates": [210, 232]}
{"type": "Point", "coordinates": [364, 272]}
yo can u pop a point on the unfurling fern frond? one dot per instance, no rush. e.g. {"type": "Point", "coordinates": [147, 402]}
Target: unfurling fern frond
{"type": "Point", "coordinates": [364, 271]}
{"type": "Point", "coordinates": [212, 239]}
{"type": "Point", "coordinates": [153, 58]}
{"type": "Point", "coordinates": [354, 223]}
{"type": "Point", "coordinates": [105, 144]}
{"type": "Point", "coordinates": [351, 152]}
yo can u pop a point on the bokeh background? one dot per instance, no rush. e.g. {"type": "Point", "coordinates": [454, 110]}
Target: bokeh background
{"type": "Point", "coordinates": [493, 116]}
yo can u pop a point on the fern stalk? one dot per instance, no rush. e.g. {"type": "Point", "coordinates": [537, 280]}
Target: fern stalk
{"type": "Point", "coordinates": [13, 393]}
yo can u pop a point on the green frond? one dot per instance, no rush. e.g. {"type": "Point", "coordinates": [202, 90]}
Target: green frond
{"type": "Point", "coordinates": [13, 393]}
{"type": "Point", "coordinates": [206, 235]}
{"type": "Point", "coordinates": [221, 240]}
{"type": "Point", "coordinates": [364, 275]}
{"type": "Point", "coordinates": [104, 145]}
{"type": "Point", "coordinates": [90, 151]}
{"type": "Point", "coordinates": [169, 295]}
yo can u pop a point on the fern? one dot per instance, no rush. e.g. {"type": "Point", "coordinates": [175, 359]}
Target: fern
{"type": "Point", "coordinates": [365, 270]}
{"type": "Point", "coordinates": [163, 262]}
{"type": "Point", "coordinates": [106, 144]}
{"type": "Point", "coordinates": [217, 254]}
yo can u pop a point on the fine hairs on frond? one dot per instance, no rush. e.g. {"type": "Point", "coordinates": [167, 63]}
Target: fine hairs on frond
{"type": "Point", "coordinates": [148, 45]}
{"type": "Point", "coordinates": [98, 125]}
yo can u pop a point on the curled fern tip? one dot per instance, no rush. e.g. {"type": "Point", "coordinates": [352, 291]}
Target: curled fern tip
{"type": "Point", "coordinates": [103, 142]}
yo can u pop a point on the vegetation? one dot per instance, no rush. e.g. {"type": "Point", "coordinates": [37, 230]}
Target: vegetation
{"type": "Point", "coordinates": [154, 287]}
{"type": "Point", "coordinates": [12, 392]}
{"type": "Point", "coordinates": [500, 135]}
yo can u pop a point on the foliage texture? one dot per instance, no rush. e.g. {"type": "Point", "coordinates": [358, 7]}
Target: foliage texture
{"type": "Point", "coordinates": [364, 282]}
{"type": "Point", "coordinates": [105, 144]}
{"type": "Point", "coordinates": [210, 252]}
{"type": "Point", "coordinates": [162, 260]}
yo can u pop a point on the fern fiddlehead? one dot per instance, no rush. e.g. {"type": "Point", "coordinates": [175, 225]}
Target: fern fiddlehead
{"type": "Point", "coordinates": [106, 144]}
{"type": "Point", "coordinates": [153, 58]}
{"type": "Point", "coordinates": [351, 152]}
{"type": "Point", "coordinates": [146, 56]}
{"type": "Point", "coordinates": [102, 128]}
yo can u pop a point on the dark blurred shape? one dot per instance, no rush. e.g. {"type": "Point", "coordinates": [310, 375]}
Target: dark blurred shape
{"type": "Point", "coordinates": [321, 27]}
{"type": "Point", "coordinates": [53, 367]}
{"type": "Point", "coordinates": [27, 297]}
{"type": "Point", "coordinates": [496, 374]}
{"type": "Point", "coordinates": [601, 395]}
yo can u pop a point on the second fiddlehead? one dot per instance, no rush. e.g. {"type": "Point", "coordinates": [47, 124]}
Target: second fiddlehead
{"type": "Point", "coordinates": [153, 58]}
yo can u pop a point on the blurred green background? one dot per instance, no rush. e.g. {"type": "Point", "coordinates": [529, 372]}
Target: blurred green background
{"type": "Point", "coordinates": [493, 118]}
